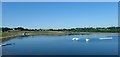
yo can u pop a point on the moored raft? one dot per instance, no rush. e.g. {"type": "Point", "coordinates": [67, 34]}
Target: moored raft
{"type": "Point", "coordinates": [107, 38]}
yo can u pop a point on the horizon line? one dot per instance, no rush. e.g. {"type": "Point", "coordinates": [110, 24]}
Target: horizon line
{"type": "Point", "coordinates": [57, 28]}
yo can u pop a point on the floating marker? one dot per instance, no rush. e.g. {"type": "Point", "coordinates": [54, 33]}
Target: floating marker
{"type": "Point", "coordinates": [87, 40]}
{"type": "Point", "coordinates": [106, 38]}
{"type": "Point", "coordinates": [75, 38]}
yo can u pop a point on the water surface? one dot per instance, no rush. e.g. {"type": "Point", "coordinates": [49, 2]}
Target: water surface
{"type": "Point", "coordinates": [63, 45]}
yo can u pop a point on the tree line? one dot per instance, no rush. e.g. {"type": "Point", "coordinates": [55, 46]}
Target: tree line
{"type": "Point", "coordinates": [85, 29]}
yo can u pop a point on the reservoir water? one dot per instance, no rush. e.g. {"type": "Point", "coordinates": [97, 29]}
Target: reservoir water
{"type": "Point", "coordinates": [63, 45]}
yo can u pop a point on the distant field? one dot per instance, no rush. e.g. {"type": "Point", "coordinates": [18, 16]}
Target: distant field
{"type": "Point", "coordinates": [17, 33]}
{"type": "Point", "coordinates": [46, 33]}
{"type": "Point", "coordinates": [32, 33]}
{"type": "Point", "coordinates": [0, 34]}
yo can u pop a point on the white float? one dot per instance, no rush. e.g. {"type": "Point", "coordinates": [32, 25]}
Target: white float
{"type": "Point", "coordinates": [75, 38]}
{"type": "Point", "coordinates": [109, 38]}
{"type": "Point", "coordinates": [87, 39]}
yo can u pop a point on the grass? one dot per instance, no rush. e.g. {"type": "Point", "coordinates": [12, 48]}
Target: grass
{"type": "Point", "coordinates": [16, 33]}
{"type": "Point", "coordinates": [48, 33]}
{"type": "Point", "coordinates": [39, 33]}
{"type": "Point", "coordinates": [12, 34]}
{"type": "Point", "coordinates": [0, 34]}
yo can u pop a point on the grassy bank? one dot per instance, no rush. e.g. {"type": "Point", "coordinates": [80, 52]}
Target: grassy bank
{"type": "Point", "coordinates": [12, 34]}
{"type": "Point", "coordinates": [17, 33]}
{"type": "Point", "coordinates": [45, 33]}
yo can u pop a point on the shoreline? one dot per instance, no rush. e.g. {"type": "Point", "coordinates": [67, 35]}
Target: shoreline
{"type": "Point", "coordinates": [50, 33]}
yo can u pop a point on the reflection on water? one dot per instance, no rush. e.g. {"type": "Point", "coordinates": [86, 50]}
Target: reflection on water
{"type": "Point", "coordinates": [63, 45]}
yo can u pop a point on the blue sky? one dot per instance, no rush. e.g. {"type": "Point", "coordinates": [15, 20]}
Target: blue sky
{"type": "Point", "coordinates": [59, 15]}
{"type": "Point", "coordinates": [60, 0]}
{"type": "Point", "coordinates": [0, 14]}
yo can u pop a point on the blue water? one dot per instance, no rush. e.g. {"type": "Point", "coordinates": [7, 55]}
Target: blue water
{"type": "Point", "coordinates": [62, 45]}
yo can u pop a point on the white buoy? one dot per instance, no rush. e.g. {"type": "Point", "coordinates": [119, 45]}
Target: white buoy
{"type": "Point", "coordinates": [75, 38]}
{"type": "Point", "coordinates": [0, 45]}
{"type": "Point", "coordinates": [110, 38]}
{"type": "Point", "coordinates": [87, 40]}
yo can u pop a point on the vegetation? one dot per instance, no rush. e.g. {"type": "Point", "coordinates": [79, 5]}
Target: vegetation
{"type": "Point", "coordinates": [90, 29]}
{"type": "Point", "coordinates": [9, 33]}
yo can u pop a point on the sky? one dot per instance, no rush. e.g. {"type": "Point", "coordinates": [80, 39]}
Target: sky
{"type": "Point", "coordinates": [0, 14]}
{"type": "Point", "coordinates": [60, 0]}
{"type": "Point", "coordinates": [47, 15]}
